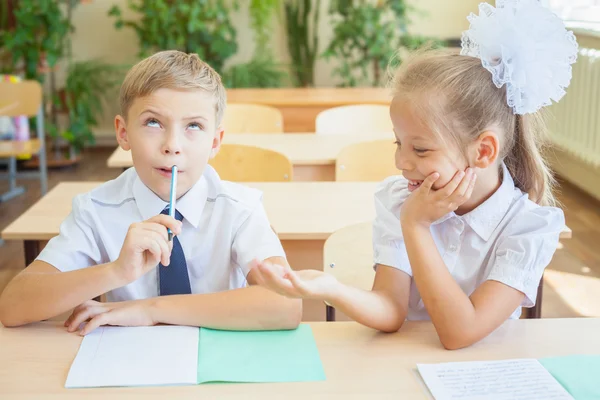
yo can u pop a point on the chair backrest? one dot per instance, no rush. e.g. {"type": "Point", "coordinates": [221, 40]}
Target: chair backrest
{"type": "Point", "coordinates": [252, 118]}
{"type": "Point", "coordinates": [20, 98]}
{"type": "Point", "coordinates": [348, 255]}
{"type": "Point", "coordinates": [366, 161]}
{"type": "Point", "coordinates": [360, 118]}
{"type": "Point", "coordinates": [241, 163]}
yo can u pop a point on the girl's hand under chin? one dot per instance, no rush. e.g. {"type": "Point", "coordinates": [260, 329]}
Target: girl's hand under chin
{"type": "Point", "coordinates": [426, 205]}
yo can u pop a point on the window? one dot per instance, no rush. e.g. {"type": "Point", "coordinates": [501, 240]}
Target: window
{"type": "Point", "coordinates": [578, 13]}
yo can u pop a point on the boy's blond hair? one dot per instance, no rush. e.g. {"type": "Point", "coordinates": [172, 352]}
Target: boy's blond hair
{"type": "Point", "coordinates": [172, 69]}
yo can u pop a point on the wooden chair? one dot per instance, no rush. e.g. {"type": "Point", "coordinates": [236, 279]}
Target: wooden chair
{"type": "Point", "coordinates": [348, 255]}
{"type": "Point", "coordinates": [361, 118]}
{"type": "Point", "coordinates": [241, 163]}
{"type": "Point", "coordinates": [23, 98]}
{"type": "Point", "coordinates": [252, 118]}
{"type": "Point", "coordinates": [366, 161]}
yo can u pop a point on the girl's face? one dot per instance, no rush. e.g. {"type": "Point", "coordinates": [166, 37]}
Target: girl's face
{"type": "Point", "coordinates": [419, 152]}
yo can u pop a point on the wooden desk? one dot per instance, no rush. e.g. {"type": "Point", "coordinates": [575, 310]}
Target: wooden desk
{"type": "Point", "coordinates": [300, 106]}
{"type": "Point", "coordinates": [359, 362]}
{"type": "Point", "coordinates": [313, 155]}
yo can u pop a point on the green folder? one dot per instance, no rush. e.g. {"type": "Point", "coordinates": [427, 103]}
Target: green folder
{"type": "Point", "coordinates": [578, 374]}
{"type": "Point", "coordinates": [266, 356]}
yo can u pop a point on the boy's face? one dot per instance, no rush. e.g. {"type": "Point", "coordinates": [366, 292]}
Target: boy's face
{"type": "Point", "coordinates": [170, 127]}
{"type": "Point", "coordinates": [420, 153]}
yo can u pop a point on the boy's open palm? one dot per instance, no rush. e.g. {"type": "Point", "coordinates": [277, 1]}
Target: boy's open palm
{"type": "Point", "coordinates": [308, 283]}
{"type": "Point", "coordinates": [146, 244]}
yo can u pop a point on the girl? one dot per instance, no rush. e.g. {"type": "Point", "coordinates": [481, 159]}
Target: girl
{"type": "Point", "coordinates": [464, 235]}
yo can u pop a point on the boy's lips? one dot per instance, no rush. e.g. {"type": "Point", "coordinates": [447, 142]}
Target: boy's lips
{"type": "Point", "coordinates": [166, 171]}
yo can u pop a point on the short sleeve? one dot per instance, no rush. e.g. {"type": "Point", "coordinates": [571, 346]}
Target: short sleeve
{"type": "Point", "coordinates": [388, 242]}
{"type": "Point", "coordinates": [526, 249]}
{"type": "Point", "coordinates": [76, 246]}
{"type": "Point", "coordinates": [255, 239]}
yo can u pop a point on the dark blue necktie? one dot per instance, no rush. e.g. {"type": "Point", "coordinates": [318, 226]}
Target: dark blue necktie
{"type": "Point", "coordinates": [174, 279]}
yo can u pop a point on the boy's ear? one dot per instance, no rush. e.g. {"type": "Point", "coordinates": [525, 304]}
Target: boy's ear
{"type": "Point", "coordinates": [217, 140]}
{"type": "Point", "coordinates": [484, 151]}
{"type": "Point", "coordinates": [121, 131]}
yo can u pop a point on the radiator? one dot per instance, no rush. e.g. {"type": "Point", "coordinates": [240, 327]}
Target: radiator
{"type": "Point", "coordinates": [574, 123]}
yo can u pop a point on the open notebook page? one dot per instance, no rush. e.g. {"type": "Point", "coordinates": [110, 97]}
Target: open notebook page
{"type": "Point", "coordinates": [136, 356]}
{"type": "Point", "coordinates": [518, 379]}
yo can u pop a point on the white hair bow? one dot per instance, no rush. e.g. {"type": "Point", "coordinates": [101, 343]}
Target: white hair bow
{"type": "Point", "coordinates": [526, 47]}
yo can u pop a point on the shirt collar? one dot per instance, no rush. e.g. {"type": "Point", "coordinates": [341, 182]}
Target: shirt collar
{"type": "Point", "coordinates": [190, 205]}
{"type": "Point", "coordinates": [485, 218]}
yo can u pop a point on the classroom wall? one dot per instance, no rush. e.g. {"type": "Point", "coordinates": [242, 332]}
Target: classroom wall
{"type": "Point", "coordinates": [96, 37]}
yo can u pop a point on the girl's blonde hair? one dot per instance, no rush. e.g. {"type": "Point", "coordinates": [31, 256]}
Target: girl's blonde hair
{"type": "Point", "coordinates": [454, 95]}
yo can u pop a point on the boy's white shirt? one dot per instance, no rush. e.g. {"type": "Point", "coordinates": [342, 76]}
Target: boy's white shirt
{"type": "Point", "coordinates": [224, 228]}
{"type": "Point", "coordinates": [508, 238]}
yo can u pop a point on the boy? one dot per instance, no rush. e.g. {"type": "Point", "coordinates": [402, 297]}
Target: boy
{"type": "Point", "coordinates": [172, 105]}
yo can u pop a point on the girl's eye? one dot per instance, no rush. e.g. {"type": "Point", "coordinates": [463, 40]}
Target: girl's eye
{"type": "Point", "coordinates": [153, 123]}
{"type": "Point", "coordinates": [420, 151]}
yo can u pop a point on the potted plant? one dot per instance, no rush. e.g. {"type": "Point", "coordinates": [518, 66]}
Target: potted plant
{"type": "Point", "coordinates": [202, 27]}
{"type": "Point", "coordinates": [368, 34]}
{"type": "Point", "coordinates": [88, 86]}
{"type": "Point", "coordinates": [36, 35]}
{"type": "Point", "coordinates": [262, 71]}
{"type": "Point", "coordinates": [302, 23]}
{"type": "Point", "coordinates": [32, 37]}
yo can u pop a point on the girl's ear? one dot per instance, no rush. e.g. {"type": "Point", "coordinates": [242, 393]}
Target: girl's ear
{"type": "Point", "coordinates": [484, 150]}
{"type": "Point", "coordinates": [121, 130]}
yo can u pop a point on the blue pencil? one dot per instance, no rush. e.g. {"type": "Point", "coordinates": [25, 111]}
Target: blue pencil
{"type": "Point", "coordinates": [173, 196]}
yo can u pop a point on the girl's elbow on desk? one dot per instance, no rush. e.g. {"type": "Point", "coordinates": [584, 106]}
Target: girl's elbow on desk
{"type": "Point", "coordinates": [460, 337]}
{"type": "Point", "coordinates": [456, 343]}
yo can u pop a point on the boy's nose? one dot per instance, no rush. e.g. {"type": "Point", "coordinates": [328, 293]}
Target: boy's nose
{"type": "Point", "coordinates": [171, 145]}
{"type": "Point", "coordinates": [171, 150]}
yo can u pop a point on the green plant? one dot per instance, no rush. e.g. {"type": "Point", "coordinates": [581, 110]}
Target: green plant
{"type": "Point", "coordinates": [303, 43]}
{"type": "Point", "coordinates": [261, 16]}
{"type": "Point", "coordinates": [259, 72]}
{"type": "Point", "coordinates": [88, 86]}
{"type": "Point", "coordinates": [36, 35]}
{"type": "Point", "coordinates": [36, 39]}
{"type": "Point", "coordinates": [367, 34]}
{"type": "Point", "coordinates": [193, 26]}
{"type": "Point", "coordinates": [262, 71]}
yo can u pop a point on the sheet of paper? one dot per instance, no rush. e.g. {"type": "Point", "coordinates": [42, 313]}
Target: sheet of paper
{"type": "Point", "coordinates": [518, 379]}
{"type": "Point", "coordinates": [579, 374]}
{"type": "Point", "coordinates": [136, 356]}
{"type": "Point", "coordinates": [272, 356]}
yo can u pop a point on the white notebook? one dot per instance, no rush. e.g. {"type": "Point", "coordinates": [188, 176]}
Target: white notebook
{"type": "Point", "coordinates": [517, 379]}
{"type": "Point", "coordinates": [149, 355]}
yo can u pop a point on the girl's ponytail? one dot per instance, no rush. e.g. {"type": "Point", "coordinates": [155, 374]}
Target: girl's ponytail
{"type": "Point", "coordinates": [526, 161]}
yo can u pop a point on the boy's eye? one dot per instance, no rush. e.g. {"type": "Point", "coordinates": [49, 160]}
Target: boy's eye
{"type": "Point", "coordinates": [397, 143]}
{"type": "Point", "coordinates": [153, 123]}
{"type": "Point", "coordinates": [195, 126]}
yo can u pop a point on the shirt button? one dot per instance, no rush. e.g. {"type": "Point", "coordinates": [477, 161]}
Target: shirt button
{"type": "Point", "coordinates": [452, 248]}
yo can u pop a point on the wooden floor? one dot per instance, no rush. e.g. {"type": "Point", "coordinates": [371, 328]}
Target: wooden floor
{"type": "Point", "coordinates": [572, 279]}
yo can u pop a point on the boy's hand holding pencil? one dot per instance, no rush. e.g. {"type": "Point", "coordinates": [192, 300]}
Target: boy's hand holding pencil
{"type": "Point", "coordinates": [146, 244]}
